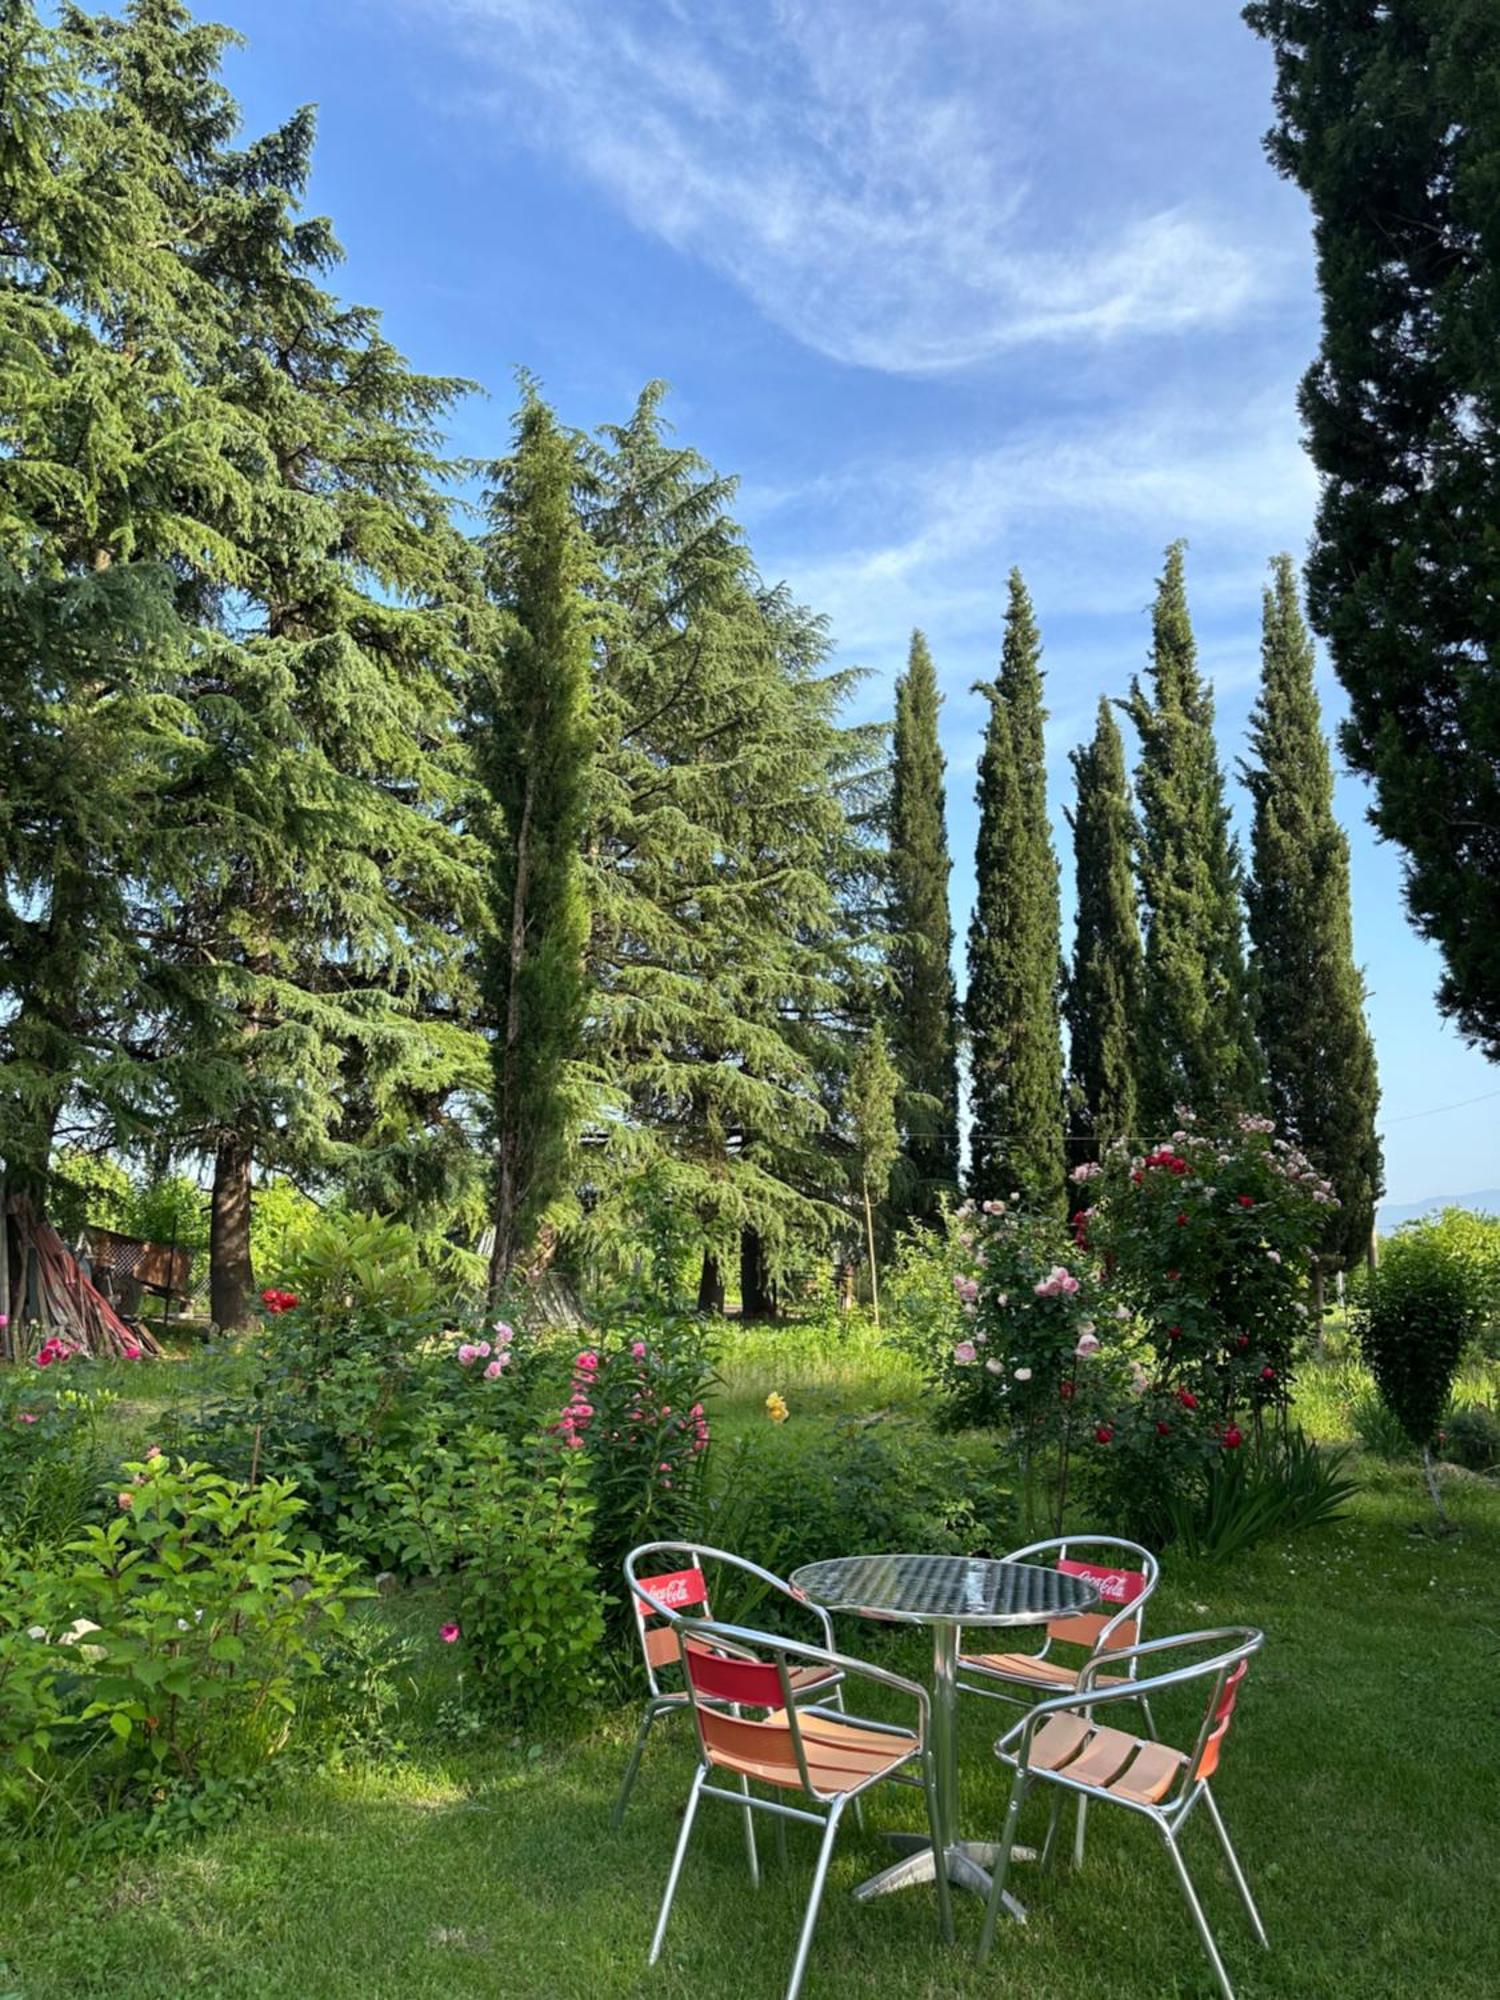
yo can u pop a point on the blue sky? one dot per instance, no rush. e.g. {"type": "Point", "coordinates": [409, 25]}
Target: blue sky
{"type": "Point", "coordinates": [951, 286]}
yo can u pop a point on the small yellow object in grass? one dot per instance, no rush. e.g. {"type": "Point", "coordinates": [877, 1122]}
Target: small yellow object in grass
{"type": "Point", "coordinates": [776, 1408]}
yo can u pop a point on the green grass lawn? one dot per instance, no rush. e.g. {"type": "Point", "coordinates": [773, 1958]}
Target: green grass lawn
{"type": "Point", "coordinates": [1362, 1783]}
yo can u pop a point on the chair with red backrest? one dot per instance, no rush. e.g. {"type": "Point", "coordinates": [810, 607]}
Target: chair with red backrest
{"type": "Point", "coordinates": [660, 1598]}
{"type": "Point", "coordinates": [1125, 1575]}
{"type": "Point", "coordinates": [1061, 1744]}
{"type": "Point", "coordinates": [752, 1726]}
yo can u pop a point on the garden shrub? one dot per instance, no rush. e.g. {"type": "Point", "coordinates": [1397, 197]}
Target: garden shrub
{"type": "Point", "coordinates": [507, 1530]}
{"type": "Point", "coordinates": [796, 1492]}
{"type": "Point", "coordinates": [31, 1674]}
{"type": "Point", "coordinates": [1470, 1436]}
{"type": "Point", "coordinates": [1286, 1485]}
{"type": "Point", "coordinates": [53, 1459]}
{"type": "Point", "coordinates": [1470, 1243]}
{"type": "Point", "coordinates": [207, 1608]}
{"type": "Point", "coordinates": [1418, 1313]}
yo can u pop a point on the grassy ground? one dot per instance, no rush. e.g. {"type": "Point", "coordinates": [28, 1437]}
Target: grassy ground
{"type": "Point", "coordinates": [1362, 1784]}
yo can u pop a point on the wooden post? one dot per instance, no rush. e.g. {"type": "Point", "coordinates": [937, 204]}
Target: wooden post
{"type": "Point", "coordinates": [870, 1239]}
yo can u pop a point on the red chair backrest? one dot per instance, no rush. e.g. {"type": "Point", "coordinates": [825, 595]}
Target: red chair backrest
{"type": "Point", "coordinates": [1220, 1714]}
{"type": "Point", "coordinates": [1116, 1588]}
{"type": "Point", "coordinates": [721, 1677]}
{"type": "Point", "coordinates": [675, 1590]}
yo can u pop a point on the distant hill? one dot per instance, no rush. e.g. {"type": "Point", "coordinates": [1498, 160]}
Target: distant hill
{"type": "Point", "coordinates": [1390, 1213]}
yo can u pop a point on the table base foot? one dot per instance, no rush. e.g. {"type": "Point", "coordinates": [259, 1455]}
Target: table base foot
{"type": "Point", "coordinates": [967, 1864]}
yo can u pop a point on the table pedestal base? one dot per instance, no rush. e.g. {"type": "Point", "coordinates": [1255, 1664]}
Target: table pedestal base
{"type": "Point", "coordinates": [967, 1864]}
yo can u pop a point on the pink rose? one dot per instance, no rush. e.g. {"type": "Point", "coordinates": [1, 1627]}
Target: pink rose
{"type": "Point", "coordinates": [467, 1353]}
{"type": "Point", "coordinates": [965, 1353]}
{"type": "Point", "coordinates": [1088, 1344]}
{"type": "Point", "coordinates": [449, 1633]}
{"type": "Point", "coordinates": [482, 1349]}
{"type": "Point", "coordinates": [504, 1334]}
{"type": "Point", "coordinates": [637, 1350]}
{"type": "Point", "coordinates": [496, 1368]}
{"type": "Point", "coordinates": [26, 1416]}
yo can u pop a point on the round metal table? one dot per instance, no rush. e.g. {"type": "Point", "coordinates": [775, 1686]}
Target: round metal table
{"type": "Point", "coordinates": [947, 1593]}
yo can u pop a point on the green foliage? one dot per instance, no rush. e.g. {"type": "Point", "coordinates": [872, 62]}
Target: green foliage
{"type": "Point", "coordinates": [1197, 1045]}
{"type": "Point", "coordinates": [205, 1609]}
{"type": "Point", "coordinates": [1103, 999]}
{"type": "Point", "coordinates": [281, 1221]}
{"type": "Point", "coordinates": [1470, 1436]}
{"type": "Point", "coordinates": [1378, 1428]}
{"type": "Point", "coordinates": [637, 1414]}
{"type": "Point", "coordinates": [1471, 1242]}
{"type": "Point", "coordinates": [54, 1459]}
{"type": "Point", "coordinates": [923, 1006]}
{"type": "Point", "coordinates": [1209, 1242]}
{"type": "Point", "coordinates": [871, 1106]}
{"type": "Point", "coordinates": [87, 1188]}
{"type": "Point", "coordinates": [799, 1491]}
{"type": "Point", "coordinates": [1320, 1060]}
{"type": "Point", "coordinates": [1012, 1005]}
{"type": "Point", "coordinates": [1417, 1316]}
{"type": "Point", "coordinates": [31, 1695]}
{"type": "Point", "coordinates": [367, 1265]}
{"type": "Point", "coordinates": [535, 736]}
{"type": "Point", "coordinates": [1386, 120]}
{"type": "Point", "coordinates": [507, 1529]}
{"type": "Point", "coordinates": [1286, 1487]}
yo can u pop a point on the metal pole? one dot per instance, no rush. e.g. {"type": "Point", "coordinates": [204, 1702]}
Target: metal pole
{"type": "Point", "coordinates": [945, 1729]}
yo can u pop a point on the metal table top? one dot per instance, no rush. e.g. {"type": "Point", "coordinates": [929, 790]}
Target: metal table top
{"type": "Point", "coordinates": [956, 1590]}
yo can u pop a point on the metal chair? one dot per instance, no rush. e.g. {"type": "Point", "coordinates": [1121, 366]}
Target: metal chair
{"type": "Point", "coordinates": [826, 1757]}
{"type": "Point", "coordinates": [1061, 1744]}
{"type": "Point", "coordinates": [1124, 1589]}
{"type": "Point", "coordinates": [659, 1601]}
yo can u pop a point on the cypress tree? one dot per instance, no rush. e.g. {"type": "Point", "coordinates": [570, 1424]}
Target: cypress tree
{"type": "Point", "coordinates": [874, 1082]}
{"type": "Point", "coordinates": [1197, 1041]}
{"type": "Point", "coordinates": [1011, 1008]}
{"type": "Point", "coordinates": [923, 1012]}
{"type": "Point", "coordinates": [536, 741]}
{"type": "Point", "coordinates": [1104, 989]}
{"type": "Point", "coordinates": [1320, 1060]}
{"type": "Point", "coordinates": [1387, 119]}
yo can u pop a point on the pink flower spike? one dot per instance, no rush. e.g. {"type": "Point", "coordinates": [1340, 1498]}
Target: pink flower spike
{"type": "Point", "coordinates": [588, 1360]}
{"type": "Point", "coordinates": [638, 1350]}
{"type": "Point", "coordinates": [449, 1633]}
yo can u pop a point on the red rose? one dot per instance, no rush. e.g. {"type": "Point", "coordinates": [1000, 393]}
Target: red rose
{"type": "Point", "coordinates": [1163, 1430]}
{"type": "Point", "coordinates": [1103, 1434]}
{"type": "Point", "coordinates": [1243, 1342]}
{"type": "Point", "coordinates": [1137, 1178]}
{"type": "Point", "coordinates": [1173, 1276]}
{"type": "Point", "coordinates": [1174, 1332]}
{"type": "Point", "coordinates": [1246, 1200]}
{"type": "Point", "coordinates": [1181, 1217]}
{"type": "Point", "coordinates": [1268, 1374]}
{"type": "Point", "coordinates": [1187, 1399]}
{"type": "Point", "coordinates": [1234, 1437]}
{"type": "Point", "coordinates": [1066, 1392]}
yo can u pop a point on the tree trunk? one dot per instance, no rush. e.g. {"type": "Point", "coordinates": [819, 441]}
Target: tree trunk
{"type": "Point", "coordinates": [711, 1285]}
{"type": "Point", "coordinates": [870, 1239]}
{"type": "Point", "coordinates": [757, 1294]}
{"type": "Point", "coordinates": [231, 1281]}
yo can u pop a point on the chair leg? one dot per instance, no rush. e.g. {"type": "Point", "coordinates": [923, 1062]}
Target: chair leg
{"type": "Point", "coordinates": [1205, 1935]}
{"type": "Point", "coordinates": [1079, 1828]}
{"type": "Point", "coordinates": [1002, 1868]}
{"type": "Point", "coordinates": [940, 1873]}
{"type": "Point", "coordinates": [627, 1783]}
{"type": "Point", "coordinates": [677, 1861]}
{"type": "Point", "coordinates": [1234, 1866]}
{"type": "Point", "coordinates": [1053, 1823]}
{"type": "Point", "coordinates": [810, 1921]}
{"type": "Point", "coordinates": [750, 1837]}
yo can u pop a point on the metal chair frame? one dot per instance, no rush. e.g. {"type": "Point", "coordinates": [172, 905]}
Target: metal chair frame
{"type": "Point", "coordinates": [1170, 1814]}
{"type": "Point", "coordinates": [668, 1700]}
{"type": "Point", "coordinates": [712, 1652]}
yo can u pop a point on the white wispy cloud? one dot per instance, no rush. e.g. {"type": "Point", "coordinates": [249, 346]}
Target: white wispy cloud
{"type": "Point", "coordinates": [873, 176]}
{"type": "Point", "coordinates": [1083, 507]}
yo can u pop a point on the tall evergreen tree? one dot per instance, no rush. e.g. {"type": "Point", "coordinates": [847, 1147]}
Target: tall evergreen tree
{"type": "Point", "coordinates": [320, 883]}
{"type": "Point", "coordinates": [1387, 119]}
{"type": "Point", "coordinates": [923, 1012]}
{"type": "Point", "coordinates": [874, 1083]}
{"type": "Point", "coordinates": [1197, 1040]}
{"type": "Point", "coordinates": [1320, 1060]}
{"type": "Point", "coordinates": [1015, 1038]}
{"type": "Point", "coordinates": [721, 957]}
{"type": "Point", "coordinates": [536, 743]}
{"type": "Point", "coordinates": [1104, 988]}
